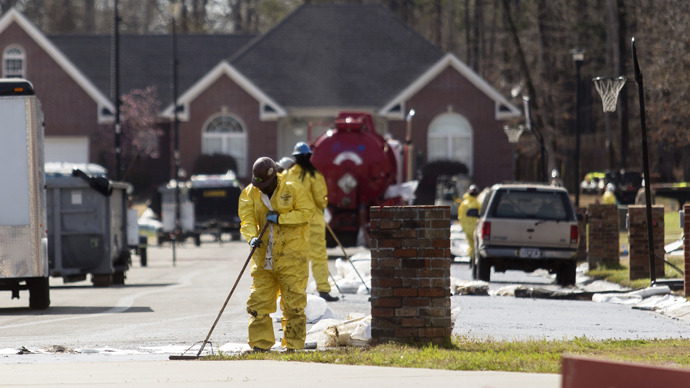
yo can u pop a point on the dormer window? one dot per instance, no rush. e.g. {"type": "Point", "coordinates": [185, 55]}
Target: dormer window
{"type": "Point", "coordinates": [13, 63]}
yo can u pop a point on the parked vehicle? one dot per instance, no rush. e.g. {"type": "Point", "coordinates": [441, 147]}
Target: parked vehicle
{"type": "Point", "coordinates": [208, 205]}
{"type": "Point", "coordinates": [23, 238]}
{"type": "Point", "coordinates": [526, 227]}
{"type": "Point", "coordinates": [215, 199]}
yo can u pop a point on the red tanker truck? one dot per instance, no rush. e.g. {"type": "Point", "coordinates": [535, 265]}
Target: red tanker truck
{"type": "Point", "coordinates": [359, 165]}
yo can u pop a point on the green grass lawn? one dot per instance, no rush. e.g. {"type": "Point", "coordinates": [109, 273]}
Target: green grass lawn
{"type": "Point", "coordinates": [464, 353]}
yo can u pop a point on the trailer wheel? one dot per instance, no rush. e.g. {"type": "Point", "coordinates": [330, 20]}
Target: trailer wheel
{"type": "Point", "coordinates": [119, 277]}
{"type": "Point", "coordinates": [39, 293]}
{"type": "Point", "coordinates": [101, 280]}
{"type": "Point", "coordinates": [143, 258]}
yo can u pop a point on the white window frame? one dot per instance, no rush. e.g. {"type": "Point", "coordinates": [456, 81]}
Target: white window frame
{"type": "Point", "coordinates": [13, 53]}
{"type": "Point", "coordinates": [451, 129]}
{"type": "Point", "coordinates": [231, 133]}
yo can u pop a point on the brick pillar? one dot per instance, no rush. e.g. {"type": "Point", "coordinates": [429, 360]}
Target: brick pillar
{"type": "Point", "coordinates": [637, 236]}
{"type": "Point", "coordinates": [410, 274]}
{"type": "Point", "coordinates": [603, 235]}
{"type": "Point", "coordinates": [686, 249]}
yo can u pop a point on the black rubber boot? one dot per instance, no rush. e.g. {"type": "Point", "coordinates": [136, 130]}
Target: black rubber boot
{"type": "Point", "coordinates": [328, 297]}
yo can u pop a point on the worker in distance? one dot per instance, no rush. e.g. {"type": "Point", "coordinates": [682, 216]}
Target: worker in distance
{"type": "Point", "coordinates": [279, 263]}
{"type": "Point", "coordinates": [468, 214]}
{"type": "Point", "coordinates": [304, 173]}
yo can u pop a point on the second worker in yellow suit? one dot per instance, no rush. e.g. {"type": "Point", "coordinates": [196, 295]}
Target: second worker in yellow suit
{"type": "Point", "coordinates": [609, 198]}
{"type": "Point", "coordinates": [279, 263]}
{"type": "Point", "coordinates": [307, 175]}
{"type": "Point", "coordinates": [468, 213]}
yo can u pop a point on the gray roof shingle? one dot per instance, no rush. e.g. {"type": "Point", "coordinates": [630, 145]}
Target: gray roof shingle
{"type": "Point", "coordinates": [145, 60]}
{"type": "Point", "coordinates": [345, 55]}
{"type": "Point", "coordinates": [323, 55]}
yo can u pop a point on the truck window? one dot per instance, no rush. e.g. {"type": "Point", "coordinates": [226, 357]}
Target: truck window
{"type": "Point", "coordinates": [531, 204]}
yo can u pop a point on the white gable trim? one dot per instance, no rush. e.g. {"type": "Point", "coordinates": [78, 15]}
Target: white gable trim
{"type": "Point", "coordinates": [102, 101]}
{"type": "Point", "coordinates": [503, 109]}
{"type": "Point", "coordinates": [269, 109]}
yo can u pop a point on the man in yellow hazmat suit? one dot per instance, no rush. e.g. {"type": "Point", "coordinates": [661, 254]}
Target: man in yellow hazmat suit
{"type": "Point", "coordinates": [468, 213]}
{"type": "Point", "coordinates": [304, 173]}
{"type": "Point", "coordinates": [279, 263]}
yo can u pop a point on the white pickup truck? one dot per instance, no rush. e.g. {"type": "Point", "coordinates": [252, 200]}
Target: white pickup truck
{"type": "Point", "coordinates": [526, 227]}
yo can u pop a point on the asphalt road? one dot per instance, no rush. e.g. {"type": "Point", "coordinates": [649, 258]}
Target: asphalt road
{"type": "Point", "coordinates": [164, 309]}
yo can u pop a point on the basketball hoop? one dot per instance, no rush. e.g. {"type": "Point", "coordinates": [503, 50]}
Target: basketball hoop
{"type": "Point", "coordinates": [513, 133]}
{"type": "Point", "coordinates": [608, 88]}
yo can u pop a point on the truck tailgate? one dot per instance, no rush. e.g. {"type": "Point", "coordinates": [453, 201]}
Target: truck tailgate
{"type": "Point", "coordinates": [530, 233]}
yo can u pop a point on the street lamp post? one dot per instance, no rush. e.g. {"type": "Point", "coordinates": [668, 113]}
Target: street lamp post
{"type": "Point", "coordinates": [175, 10]}
{"type": "Point", "coordinates": [540, 139]}
{"type": "Point", "coordinates": [115, 47]}
{"type": "Point", "coordinates": [578, 58]}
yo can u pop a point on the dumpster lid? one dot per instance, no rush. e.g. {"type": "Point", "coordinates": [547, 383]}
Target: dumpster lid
{"type": "Point", "coordinates": [16, 87]}
{"type": "Point", "coordinates": [65, 168]}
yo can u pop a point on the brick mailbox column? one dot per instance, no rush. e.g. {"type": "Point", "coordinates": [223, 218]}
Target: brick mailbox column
{"type": "Point", "coordinates": [603, 235]}
{"type": "Point", "coordinates": [686, 250]}
{"type": "Point", "coordinates": [637, 236]}
{"type": "Point", "coordinates": [410, 274]}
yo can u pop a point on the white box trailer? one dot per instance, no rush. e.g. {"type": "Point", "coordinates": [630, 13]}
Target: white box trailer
{"type": "Point", "coordinates": [23, 237]}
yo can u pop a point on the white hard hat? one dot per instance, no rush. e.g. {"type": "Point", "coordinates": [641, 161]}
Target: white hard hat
{"type": "Point", "coordinates": [610, 187]}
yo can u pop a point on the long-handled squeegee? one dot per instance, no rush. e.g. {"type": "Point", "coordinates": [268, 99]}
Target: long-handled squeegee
{"type": "Point", "coordinates": [347, 258]}
{"type": "Point", "coordinates": [183, 356]}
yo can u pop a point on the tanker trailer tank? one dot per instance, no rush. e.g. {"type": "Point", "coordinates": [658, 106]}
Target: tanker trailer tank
{"type": "Point", "coordinates": [358, 166]}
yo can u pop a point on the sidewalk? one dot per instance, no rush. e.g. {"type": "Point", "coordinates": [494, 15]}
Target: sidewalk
{"type": "Point", "coordinates": [202, 374]}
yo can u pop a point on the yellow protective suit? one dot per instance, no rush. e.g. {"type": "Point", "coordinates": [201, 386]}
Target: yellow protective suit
{"type": "Point", "coordinates": [467, 222]}
{"type": "Point", "coordinates": [608, 198]}
{"type": "Point", "coordinates": [317, 191]}
{"type": "Point", "coordinates": [290, 272]}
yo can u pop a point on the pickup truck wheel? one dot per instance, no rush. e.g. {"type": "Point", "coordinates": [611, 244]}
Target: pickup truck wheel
{"type": "Point", "coordinates": [39, 293]}
{"type": "Point", "coordinates": [473, 267]}
{"type": "Point", "coordinates": [483, 269]}
{"type": "Point", "coordinates": [566, 274]}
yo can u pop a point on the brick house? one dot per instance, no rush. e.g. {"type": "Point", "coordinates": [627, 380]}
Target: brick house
{"type": "Point", "coordinates": [251, 96]}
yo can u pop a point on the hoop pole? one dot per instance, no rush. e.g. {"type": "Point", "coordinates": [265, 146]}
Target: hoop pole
{"type": "Point", "coordinates": [645, 158]}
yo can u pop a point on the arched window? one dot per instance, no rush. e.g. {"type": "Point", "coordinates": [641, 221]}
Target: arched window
{"type": "Point", "coordinates": [450, 138]}
{"type": "Point", "coordinates": [13, 63]}
{"type": "Point", "coordinates": [224, 134]}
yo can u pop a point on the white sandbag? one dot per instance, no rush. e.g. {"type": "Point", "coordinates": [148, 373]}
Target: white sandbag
{"type": "Point", "coordinates": [316, 309]}
{"type": "Point", "coordinates": [348, 286]}
{"type": "Point", "coordinates": [354, 332]}
{"type": "Point", "coordinates": [364, 288]}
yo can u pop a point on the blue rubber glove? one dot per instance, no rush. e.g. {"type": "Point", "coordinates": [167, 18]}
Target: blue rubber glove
{"type": "Point", "coordinates": [272, 217]}
{"type": "Point", "coordinates": [255, 242]}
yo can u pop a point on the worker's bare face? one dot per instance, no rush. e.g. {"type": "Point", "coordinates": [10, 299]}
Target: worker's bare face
{"type": "Point", "coordinates": [268, 190]}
